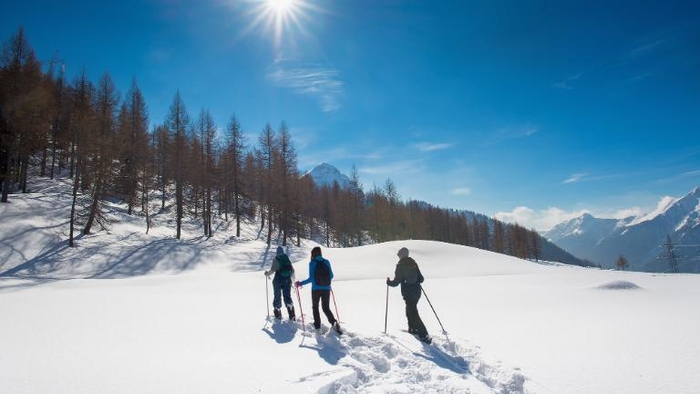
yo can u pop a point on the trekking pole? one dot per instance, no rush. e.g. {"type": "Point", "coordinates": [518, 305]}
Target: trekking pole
{"type": "Point", "coordinates": [267, 296]}
{"type": "Point", "coordinates": [301, 310]}
{"type": "Point", "coordinates": [386, 310]}
{"type": "Point", "coordinates": [337, 315]}
{"type": "Point", "coordinates": [431, 307]}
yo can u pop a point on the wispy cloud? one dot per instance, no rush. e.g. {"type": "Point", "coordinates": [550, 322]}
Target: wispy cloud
{"type": "Point", "coordinates": [583, 177]}
{"type": "Point", "coordinates": [574, 178]}
{"type": "Point", "coordinates": [430, 147]}
{"type": "Point", "coordinates": [639, 55]}
{"type": "Point", "coordinates": [567, 83]}
{"type": "Point", "coordinates": [646, 48]}
{"type": "Point", "coordinates": [322, 83]}
{"type": "Point", "coordinates": [390, 169]}
{"type": "Point", "coordinates": [462, 191]}
{"type": "Point", "coordinates": [510, 133]}
{"type": "Point", "coordinates": [683, 175]}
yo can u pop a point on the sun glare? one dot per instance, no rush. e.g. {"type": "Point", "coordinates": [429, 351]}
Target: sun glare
{"type": "Point", "coordinates": [285, 19]}
{"type": "Point", "coordinates": [281, 6]}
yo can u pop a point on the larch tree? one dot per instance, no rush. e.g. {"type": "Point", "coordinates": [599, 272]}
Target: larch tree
{"type": "Point", "coordinates": [82, 121]}
{"type": "Point", "coordinates": [133, 145]}
{"type": "Point", "coordinates": [235, 151]}
{"type": "Point", "coordinates": [499, 236]}
{"type": "Point", "coordinates": [177, 122]}
{"type": "Point", "coordinates": [24, 111]}
{"type": "Point", "coordinates": [266, 156]}
{"type": "Point", "coordinates": [357, 206]}
{"type": "Point", "coordinates": [102, 147]}
{"type": "Point", "coordinates": [286, 176]}
{"type": "Point", "coordinates": [621, 263]}
{"type": "Point", "coordinates": [206, 129]}
{"type": "Point", "coordinates": [161, 147]}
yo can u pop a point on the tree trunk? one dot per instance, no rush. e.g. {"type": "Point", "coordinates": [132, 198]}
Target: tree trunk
{"type": "Point", "coordinates": [93, 207]}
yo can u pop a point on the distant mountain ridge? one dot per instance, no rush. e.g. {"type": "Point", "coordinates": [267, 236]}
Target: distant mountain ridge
{"type": "Point", "coordinates": [639, 239]}
{"type": "Point", "coordinates": [325, 174]}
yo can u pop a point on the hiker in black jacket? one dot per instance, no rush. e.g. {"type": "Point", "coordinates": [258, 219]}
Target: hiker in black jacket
{"type": "Point", "coordinates": [282, 283]}
{"type": "Point", "coordinates": [408, 275]}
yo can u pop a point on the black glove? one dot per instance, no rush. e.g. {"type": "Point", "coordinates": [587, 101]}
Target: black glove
{"type": "Point", "coordinates": [388, 281]}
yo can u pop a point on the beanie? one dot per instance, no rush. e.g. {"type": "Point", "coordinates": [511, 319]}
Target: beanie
{"type": "Point", "coordinates": [403, 252]}
{"type": "Point", "coordinates": [280, 250]}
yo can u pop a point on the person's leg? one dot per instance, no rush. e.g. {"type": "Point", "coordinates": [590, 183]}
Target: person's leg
{"type": "Point", "coordinates": [414, 319]}
{"type": "Point", "coordinates": [287, 293]}
{"type": "Point", "coordinates": [325, 304]}
{"type": "Point", "coordinates": [315, 297]}
{"type": "Point", "coordinates": [277, 299]}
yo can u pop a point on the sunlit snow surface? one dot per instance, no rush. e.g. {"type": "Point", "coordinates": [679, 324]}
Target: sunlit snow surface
{"type": "Point", "coordinates": [126, 312]}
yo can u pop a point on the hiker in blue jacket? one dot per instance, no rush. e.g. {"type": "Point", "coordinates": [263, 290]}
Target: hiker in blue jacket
{"type": "Point", "coordinates": [282, 283]}
{"type": "Point", "coordinates": [320, 276]}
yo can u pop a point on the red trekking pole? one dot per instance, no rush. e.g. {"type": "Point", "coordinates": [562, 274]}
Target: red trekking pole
{"type": "Point", "coordinates": [267, 296]}
{"type": "Point", "coordinates": [301, 311]}
{"type": "Point", "coordinates": [337, 315]}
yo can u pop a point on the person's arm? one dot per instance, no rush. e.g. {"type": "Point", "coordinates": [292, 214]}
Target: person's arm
{"type": "Point", "coordinates": [420, 276]}
{"type": "Point", "coordinates": [397, 278]}
{"type": "Point", "coordinates": [330, 270]}
{"type": "Point", "coordinates": [275, 267]}
{"type": "Point", "coordinates": [312, 268]}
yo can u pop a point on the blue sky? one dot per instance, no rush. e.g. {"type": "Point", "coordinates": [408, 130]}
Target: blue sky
{"type": "Point", "coordinates": [533, 111]}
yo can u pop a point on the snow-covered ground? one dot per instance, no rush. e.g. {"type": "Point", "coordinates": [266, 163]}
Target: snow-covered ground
{"type": "Point", "coordinates": [127, 312]}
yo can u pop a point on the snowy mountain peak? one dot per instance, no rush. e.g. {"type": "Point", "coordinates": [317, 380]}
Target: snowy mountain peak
{"type": "Point", "coordinates": [325, 174]}
{"type": "Point", "coordinates": [661, 208]}
{"type": "Point", "coordinates": [637, 238]}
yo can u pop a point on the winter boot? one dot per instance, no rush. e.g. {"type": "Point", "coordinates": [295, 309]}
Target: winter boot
{"type": "Point", "coordinates": [290, 311]}
{"type": "Point", "coordinates": [278, 313]}
{"type": "Point", "coordinates": [336, 328]}
{"type": "Point", "coordinates": [425, 339]}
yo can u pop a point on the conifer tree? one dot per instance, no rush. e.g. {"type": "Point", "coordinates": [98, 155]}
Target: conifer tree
{"type": "Point", "coordinates": [235, 151]}
{"type": "Point", "coordinates": [177, 123]}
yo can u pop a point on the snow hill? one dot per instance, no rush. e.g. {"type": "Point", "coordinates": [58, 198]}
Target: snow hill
{"type": "Point", "coordinates": [126, 312]}
{"type": "Point", "coordinates": [325, 174]}
{"type": "Point", "coordinates": [638, 239]}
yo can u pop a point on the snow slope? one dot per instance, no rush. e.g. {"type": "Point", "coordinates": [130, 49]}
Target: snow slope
{"type": "Point", "coordinates": [129, 312]}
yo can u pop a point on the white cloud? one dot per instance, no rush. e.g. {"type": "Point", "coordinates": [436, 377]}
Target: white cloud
{"type": "Point", "coordinates": [567, 84]}
{"type": "Point", "coordinates": [311, 80]}
{"type": "Point", "coordinates": [546, 219]}
{"type": "Point", "coordinates": [391, 169]}
{"type": "Point", "coordinates": [574, 178]}
{"type": "Point", "coordinates": [626, 212]}
{"type": "Point", "coordinates": [428, 147]}
{"type": "Point", "coordinates": [542, 220]}
{"type": "Point", "coordinates": [510, 133]}
{"type": "Point", "coordinates": [462, 191]}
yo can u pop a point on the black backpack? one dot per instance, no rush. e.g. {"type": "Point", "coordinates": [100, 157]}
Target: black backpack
{"type": "Point", "coordinates": [322, 276]}
{"type": "Point", "coordinates": [286, 268]}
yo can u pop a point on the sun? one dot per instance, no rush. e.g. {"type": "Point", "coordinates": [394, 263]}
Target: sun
{"type": "Point", "coordinates": [281, 7]}
{"type": "Point", "coordinates": [283, 20]}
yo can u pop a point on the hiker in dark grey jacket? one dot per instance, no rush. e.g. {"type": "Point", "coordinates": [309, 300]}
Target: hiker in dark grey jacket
{"type": "Point", "coordinates": [408, 275]}
{"type": "Point", "coordinates": [282, 283]}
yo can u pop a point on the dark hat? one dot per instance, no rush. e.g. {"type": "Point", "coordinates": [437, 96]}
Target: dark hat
{"type": "Point", "coordinates": [403, 252]}
{"type": "Point", "coordinates": [280, 250]}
